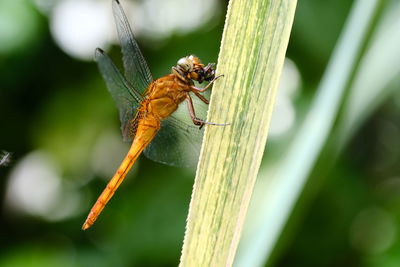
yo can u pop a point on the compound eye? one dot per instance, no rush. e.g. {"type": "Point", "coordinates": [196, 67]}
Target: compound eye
{"type": "Point", "coordinates": [185, 64]}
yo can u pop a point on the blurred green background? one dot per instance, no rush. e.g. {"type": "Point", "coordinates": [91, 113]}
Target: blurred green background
{"type": "Point", "coordinates": [60, 129]}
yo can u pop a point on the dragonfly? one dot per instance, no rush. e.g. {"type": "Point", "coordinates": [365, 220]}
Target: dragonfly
{"type": "Point", "coordinates": [150, 111]}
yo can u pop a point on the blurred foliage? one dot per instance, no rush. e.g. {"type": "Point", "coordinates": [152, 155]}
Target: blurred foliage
{"type": "Point", "coordinates": [51, 102]}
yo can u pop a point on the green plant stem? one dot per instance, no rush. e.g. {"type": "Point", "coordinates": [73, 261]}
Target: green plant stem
{"type": "Point", "coordinates": [252, 52]}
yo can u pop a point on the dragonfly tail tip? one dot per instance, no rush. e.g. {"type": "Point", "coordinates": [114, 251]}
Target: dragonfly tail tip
{"type": "Point", "coordinates": [85, 226]}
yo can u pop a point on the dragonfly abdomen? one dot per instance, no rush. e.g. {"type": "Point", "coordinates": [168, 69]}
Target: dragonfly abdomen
{"type": "Point", "coordinates": [147, 129]}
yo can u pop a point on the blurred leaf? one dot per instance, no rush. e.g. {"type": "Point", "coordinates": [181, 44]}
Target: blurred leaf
{"type": "Point", "coordinates": [376, 78]}
{"type": "Point", "coordinates": [284, 182]}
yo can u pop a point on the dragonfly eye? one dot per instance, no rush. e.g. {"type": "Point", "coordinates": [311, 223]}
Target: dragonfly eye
{"type": "Point", "coordinates": [199, 75]}
{"type": "Point", "coordinates": [185, 64]}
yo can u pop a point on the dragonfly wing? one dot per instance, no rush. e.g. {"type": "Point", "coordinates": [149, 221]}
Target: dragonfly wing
{"type": "Point", "coordinates": [125, 97]}
{"type": "Point", "coordinates": [137, 71]}
{"type": "Point", "coordinates": [178, 142]}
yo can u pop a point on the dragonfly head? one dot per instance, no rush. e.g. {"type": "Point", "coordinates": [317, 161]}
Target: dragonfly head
{"type": "Point", "coordinates": [191, 68]}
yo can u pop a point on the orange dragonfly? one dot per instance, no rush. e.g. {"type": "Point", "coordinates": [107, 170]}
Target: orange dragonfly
{"type": "Point", "coordinates": [149, 109]}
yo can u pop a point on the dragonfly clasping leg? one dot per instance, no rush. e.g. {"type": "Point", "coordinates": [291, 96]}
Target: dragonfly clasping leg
{"type": "Point", "coordinates": [207, 86]}
{"type": "Point", "coordinates": [195, 120]}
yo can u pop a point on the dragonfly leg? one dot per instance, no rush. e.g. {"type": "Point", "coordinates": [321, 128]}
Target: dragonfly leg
{"type": "Point", "coordinates": [195, 120]}
{"type": "Point", "coordinates": [196, 89]}
{"type": "Point", "coordinates": [192, 113]}
{"type": "Point", "coordinates": [201, 97]}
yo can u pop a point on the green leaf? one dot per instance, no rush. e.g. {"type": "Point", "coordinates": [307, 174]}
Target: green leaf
{"type": "Point", "coordinates": [253, 48]}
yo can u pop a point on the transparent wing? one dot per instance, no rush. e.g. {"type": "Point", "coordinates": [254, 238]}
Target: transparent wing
{"type": "Point", "coordinates": [178, 142]}
{"type": "Point", "coordinates": [136, 70]}
{"type": "Point", "coordinates": [125, 97]}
